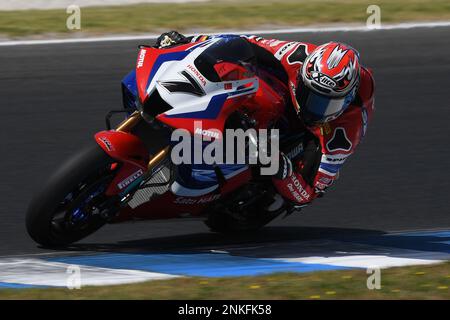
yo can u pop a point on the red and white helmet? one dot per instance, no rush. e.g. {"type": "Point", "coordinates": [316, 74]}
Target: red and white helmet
{"type": "Point", "coordinates": [328, 82]}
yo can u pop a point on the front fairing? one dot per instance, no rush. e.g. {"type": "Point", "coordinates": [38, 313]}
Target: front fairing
{"type": "Point", "coordinates": [203, 81]}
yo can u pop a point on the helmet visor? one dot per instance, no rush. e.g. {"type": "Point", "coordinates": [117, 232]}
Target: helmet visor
{"type": "Point", "coordinates": [316, 108]}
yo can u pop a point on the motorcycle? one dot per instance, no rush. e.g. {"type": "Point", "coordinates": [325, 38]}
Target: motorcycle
{"type": "Point", "coordinates": [127, 173]}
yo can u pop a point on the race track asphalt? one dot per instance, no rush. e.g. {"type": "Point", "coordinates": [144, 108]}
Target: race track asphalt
{"type": "Point", "coordinates": [54, 97]}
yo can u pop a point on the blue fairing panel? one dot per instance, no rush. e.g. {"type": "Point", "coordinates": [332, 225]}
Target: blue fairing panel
{"type": "Point", "coordinates": [129, 90]}
{"type": "Point", "coordinates": [199, 176]}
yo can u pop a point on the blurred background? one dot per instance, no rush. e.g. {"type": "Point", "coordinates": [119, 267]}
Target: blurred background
{"type": "Point", "coordinates": [47, 18]}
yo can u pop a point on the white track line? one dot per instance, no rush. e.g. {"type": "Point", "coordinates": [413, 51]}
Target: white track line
{"type": "Point", "coordinates": [259, 32]}
{"type": "Point", "coordinates": [44, 273]}
{"type": "Point", "coordinates": [378, 261]}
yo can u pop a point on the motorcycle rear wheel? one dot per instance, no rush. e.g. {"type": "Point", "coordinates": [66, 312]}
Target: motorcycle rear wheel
{"type": "Point", "coordinates": [63, 210]}
{"type": "Point", "coordinates": [246, 210]}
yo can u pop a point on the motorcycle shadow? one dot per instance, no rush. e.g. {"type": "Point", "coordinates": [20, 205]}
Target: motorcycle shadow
{"type": "Point", "coordinates": [271, 241]}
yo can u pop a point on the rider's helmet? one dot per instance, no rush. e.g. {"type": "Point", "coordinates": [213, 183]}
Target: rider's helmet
{"type": "Point", "coordinates": [327, 82]}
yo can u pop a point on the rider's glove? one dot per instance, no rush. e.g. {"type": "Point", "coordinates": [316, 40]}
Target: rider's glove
{"type": "Point", "coordinates": [171, 38]}
{"type": "Point", "coordinates": [290, 184]}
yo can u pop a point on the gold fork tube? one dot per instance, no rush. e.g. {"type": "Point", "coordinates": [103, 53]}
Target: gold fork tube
{"type": "Point", "coordinates": [157, 158]}
{"type": "Point", "coordinates": [130, 122]}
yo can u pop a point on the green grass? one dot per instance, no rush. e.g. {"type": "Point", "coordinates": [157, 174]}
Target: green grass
{"type": "Point", "coordinates": [418, 282]}
{"type": "Point", "coordinates": [217, 15]}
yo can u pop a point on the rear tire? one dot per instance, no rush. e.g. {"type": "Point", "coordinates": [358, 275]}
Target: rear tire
{"type": "Point", "coordinates": [229, 217]}
{"type": "Point", "coordinates": [85, 169]}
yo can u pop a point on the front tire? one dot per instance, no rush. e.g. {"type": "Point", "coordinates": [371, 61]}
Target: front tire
{"type": "Point", "coordinates": [50, 219]}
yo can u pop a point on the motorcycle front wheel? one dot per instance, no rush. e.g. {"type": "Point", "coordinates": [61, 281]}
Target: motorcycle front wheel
{"type": "Point", "coordinates": [71, 205]}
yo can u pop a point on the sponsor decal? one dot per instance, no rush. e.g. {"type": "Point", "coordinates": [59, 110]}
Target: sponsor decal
{"type": "Point", "coordinates": [207, 133]}
{"type": "Point", "coordinates": [334, 158]}
{"type": "Point", "coordinates": [125, 183]}
{"type": "Point", "coordinates": [323, 79]}
{"type": "Point", "coordinates": [141, 58]}
{"type": "Point", "coordinates": [197, 74]}
{"type": "Point", "coordinates": [331, 160]}
{"type": "Point", "coordinates": [297, 190]}
{"type": "Point", "coordinates": [107, 143]}
{"type": "Point", "coordinates": [228, 86]}
{"type": "Point", "coordinates": [295, 151]}
{"type": "Point", "coordinates": [202, 200]}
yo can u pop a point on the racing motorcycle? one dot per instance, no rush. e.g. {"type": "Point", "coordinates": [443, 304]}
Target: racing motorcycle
{"type": "Point", "coordinates": [127, 173]}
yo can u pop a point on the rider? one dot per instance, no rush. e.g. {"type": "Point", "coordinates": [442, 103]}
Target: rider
{"type": "Point", "coordinates": [333, 97]}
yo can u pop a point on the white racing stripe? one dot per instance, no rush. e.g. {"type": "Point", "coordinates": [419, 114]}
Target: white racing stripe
{"type": "Point", "coordinates": [368, 261]}
{"type": "Point", "coordinates": [44, 273]}
{"type": "Point", "coordinates": [358, 28]}
{"type": "Point", "coordinates": [364, 255]}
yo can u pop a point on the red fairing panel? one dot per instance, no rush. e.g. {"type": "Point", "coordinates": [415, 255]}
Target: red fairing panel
{"type": "Point", "coordinates": [124, 147]}
{"type": "Point", "coordinates": [130, 151]}
{"type": "Point", "coordinates": [145, 62]}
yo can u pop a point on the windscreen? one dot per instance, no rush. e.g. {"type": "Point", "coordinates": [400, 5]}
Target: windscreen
{"type": "Point", "coordinates": [228, 59]}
